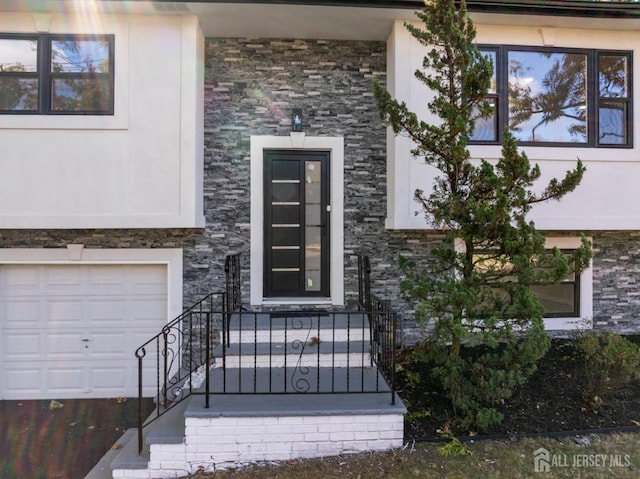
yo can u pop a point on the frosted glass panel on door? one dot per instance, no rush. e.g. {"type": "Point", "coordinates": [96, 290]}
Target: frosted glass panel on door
{"type": "Point", "coordinates": [313, 229]}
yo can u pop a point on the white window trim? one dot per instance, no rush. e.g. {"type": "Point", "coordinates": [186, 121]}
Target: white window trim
{"type": "Point", "coordinates": [76, 254]}
{"type": "Point", "coordinates": [585, 321]}
{"type": "Point", "coordinates": [298, 141]}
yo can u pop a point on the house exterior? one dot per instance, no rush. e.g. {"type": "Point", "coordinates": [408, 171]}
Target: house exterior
{"type": "Point", "coordinates": [146, 137]}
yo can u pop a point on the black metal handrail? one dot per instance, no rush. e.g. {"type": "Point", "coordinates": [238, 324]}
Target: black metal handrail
{"type": "Point", "coordinates": [233, 288]}
{"type": "Point", "coordinates": [293, 352]}
{"type": "Point", "coordinates": [217, 347]}
{"type": "Point", "coordinates": [364, 283]}
{"type": "Point", "coordinates": [176, 353]}
{"type": "Point", "coordinates": [383, 345]}
{"type": "Point", "coordinates": [383, 322]}
{"type": "Point", "coordinates": [182, 351]}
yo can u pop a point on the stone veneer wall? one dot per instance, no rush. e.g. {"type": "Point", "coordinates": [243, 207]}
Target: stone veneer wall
{"type": "Point", "coordinates": [250, 88]}
{"type": "Point", "coordinates": [616, 281]}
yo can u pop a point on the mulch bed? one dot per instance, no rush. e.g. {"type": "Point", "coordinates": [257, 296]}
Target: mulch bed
{"type": "Point", "coordinates": [61, 439]}
{"type": "Point", "coordinates": [553, 400]}
{"type": "Point", "coordinates": [40, 440]}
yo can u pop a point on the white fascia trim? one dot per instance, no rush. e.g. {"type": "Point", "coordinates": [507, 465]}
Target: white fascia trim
{"type": "Point", "coordinates": [298, 141]}
{"type": "Point", "coordinates": [78, 255]}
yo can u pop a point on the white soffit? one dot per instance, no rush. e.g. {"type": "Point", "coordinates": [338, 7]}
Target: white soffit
{"type": "Point", "coordinates": [259, 20]}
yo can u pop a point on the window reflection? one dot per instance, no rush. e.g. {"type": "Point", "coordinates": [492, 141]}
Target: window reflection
{"type": "Point", "coordinates": [612, 76]}
{"type": "Point", "coordinates": [548, 96]}
{"type": "Point", "coordinates": [73, 94]}
{"type": "Point", "coordinates": [18, 94]}
{"type": "Point", "coordinates": [486, 128]}
{"type": "Point", "coordinates": [612, 126]}
{"type": "Point", "coordinates": [19, 81]}
{"type": "Point", "coordinates": [80, 56]}
{"type": "Point", "coordinates": [492, 57]}
{"type": "Point", "coordinates": [56, 74]}
{"type": "Point", "coordinates": [18, 55]}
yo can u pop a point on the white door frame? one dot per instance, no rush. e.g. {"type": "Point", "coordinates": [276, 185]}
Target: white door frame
{"type": "Point", "coordinates": [299, 142]}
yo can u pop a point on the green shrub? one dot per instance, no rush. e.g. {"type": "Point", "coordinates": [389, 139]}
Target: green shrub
{"type": "Point", "coordinates": [481, 377]}
{"type": "Point", "coordinates": [453, 447]}
{"type": "Point", "coordinates": [476, 286]}
{"type": "Point", "coordinates": [609, 360]}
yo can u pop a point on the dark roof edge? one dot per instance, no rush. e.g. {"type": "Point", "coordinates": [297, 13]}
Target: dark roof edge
{"type": "Point", "coordinates": [579, 8]}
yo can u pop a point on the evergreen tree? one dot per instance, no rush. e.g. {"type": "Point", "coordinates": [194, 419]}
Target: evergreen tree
{"type": "Point", "coordinates": [479, 291]}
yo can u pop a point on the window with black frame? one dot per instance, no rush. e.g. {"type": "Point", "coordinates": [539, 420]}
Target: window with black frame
{"type": "Point", "coordinates": [559, 97]}
{"type": "Point", "coordinates": [559, 300]}
{"type": "Point", "coordinates": [57, 74]}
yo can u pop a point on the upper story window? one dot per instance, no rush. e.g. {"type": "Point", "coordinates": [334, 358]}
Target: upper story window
{"type": "Point", "coordinates": [56, 74]}
{"type": "Point", "coordinates": [559, 97]}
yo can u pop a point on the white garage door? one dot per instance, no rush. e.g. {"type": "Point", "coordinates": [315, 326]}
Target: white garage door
{"type": "Point", "coordinates": [70, 331]}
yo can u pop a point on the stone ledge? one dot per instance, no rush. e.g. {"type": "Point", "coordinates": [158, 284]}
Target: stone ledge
{"type": "Point", "coordinates": [288, 405]}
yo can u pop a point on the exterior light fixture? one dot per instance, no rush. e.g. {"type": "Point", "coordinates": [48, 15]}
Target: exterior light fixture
{"type": "Point", "coordinates": [296, 119]}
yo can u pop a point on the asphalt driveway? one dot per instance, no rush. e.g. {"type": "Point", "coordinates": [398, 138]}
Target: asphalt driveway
{"type": "Point", "coordinates": [61, 439]}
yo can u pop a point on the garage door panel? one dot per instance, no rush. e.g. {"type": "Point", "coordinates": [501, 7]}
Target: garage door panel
{"type": "Point", "coordinates": [121, 276]}
{"type": "Point", "coordinates": [145, 312]}
{"type": "Point", "coordinates": [64, 313]}
{"type": "Point", "coordinates": [104, 377]}
{"type": "Point", "coordinates": [16, 278]}
{"type": "Point", "coordinates": [22, 345]}
{"type": "Point", "coordinates": [105, 345]}
{"type": "Point", "coordinates": [65, 346]}
{"type": "Point", "coordinates": [46, 313]}
{"type": "Point", "coordinates": [18, 313]}
{"type": "Point", "coordinates": [65, 379]}
{"type": "Point", "coordinates": [23, 382]}
{"type": "Point", "coordinates": [98, 275]}
{"type": "Point", "coordinates": [63, 276]}
{"type": "Point", "coordinates": [146, 289]}
{"type": "Point", "coordinates": [110, 313]}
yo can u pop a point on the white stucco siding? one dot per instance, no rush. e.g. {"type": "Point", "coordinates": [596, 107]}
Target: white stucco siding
{"type": "Point", "coordinates": [142, 166]}
{"type": "Point", "coordinates": [608, 196]}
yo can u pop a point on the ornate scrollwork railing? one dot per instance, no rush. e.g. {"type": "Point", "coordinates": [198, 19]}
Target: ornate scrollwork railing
{"type": "Point", "coordinates": [176, 361]}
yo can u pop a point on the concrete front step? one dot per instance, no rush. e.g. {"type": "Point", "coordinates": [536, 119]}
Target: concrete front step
{"type": "Point", "coordinates": [124, 456]}
{"type": "Point", "coordinates": [296, 379]}
{"type": "Point", "coordinates": [290, 327]}
{"type": "Point", "coordinates": [241, 429]}
{"type": "Point", "coordinates": [103, 469]}
{"type": "Point", "coordinates": [276, 355]}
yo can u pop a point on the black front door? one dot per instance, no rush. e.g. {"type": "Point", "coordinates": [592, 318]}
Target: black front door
{"type": "Point", "coordinates": [296, 258]}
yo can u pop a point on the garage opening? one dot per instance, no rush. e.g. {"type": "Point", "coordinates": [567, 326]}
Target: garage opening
{"type": "Point", "coordinates": [70, 331]}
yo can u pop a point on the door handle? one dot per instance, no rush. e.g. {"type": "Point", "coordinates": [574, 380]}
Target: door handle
{"type": "Point", "coordinates": [85, 340]}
